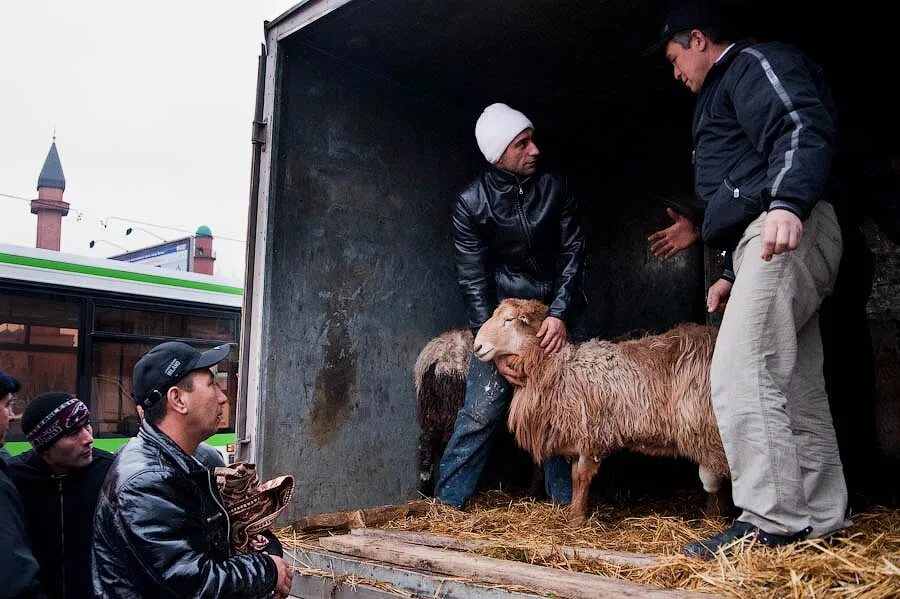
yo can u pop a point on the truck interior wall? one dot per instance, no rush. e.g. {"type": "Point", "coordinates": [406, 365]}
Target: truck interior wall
{"type": "Point", "coordinates": [376, 111]}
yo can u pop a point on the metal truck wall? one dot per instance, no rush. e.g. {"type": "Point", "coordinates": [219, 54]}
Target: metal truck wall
{"type": "Point", "coordinates": [361, 273]}
{"type": "Point", "coordinates": [360, 277]}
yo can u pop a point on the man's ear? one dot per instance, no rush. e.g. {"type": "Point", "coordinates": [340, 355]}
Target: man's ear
{"type": "Point", "coordinates": [698, 39]}
{"type": "Point", "coordinates": [175, 397]}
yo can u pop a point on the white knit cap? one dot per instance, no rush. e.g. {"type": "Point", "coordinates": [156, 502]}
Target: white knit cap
{"type": "Point", "coordinates": [497, 126]}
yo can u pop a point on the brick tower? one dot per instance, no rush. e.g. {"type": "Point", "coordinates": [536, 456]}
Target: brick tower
{"type": "Point", "coordinates": [49, 205]}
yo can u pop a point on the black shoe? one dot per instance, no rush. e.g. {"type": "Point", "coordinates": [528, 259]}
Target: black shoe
{"type": "Point", "coordinates": [740, 531]}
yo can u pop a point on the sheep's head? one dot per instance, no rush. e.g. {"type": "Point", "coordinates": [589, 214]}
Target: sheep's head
{"type": "Point", "coordinates": [514, 324]}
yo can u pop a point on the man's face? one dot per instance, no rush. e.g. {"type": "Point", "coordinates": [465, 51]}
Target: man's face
{"type": "Point", "coordinates": [520, 156]}
{"type": "Point", "coordinates": [689, 65]}
{"type": "Point", "coordinates": [5, 416]}
{"type": "Point", "coordinates": [205, 402]}
{"type": "Point", "coordinates": [71, 451]}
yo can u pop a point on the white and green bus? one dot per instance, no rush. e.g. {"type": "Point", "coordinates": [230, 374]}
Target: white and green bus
{"type": "Point", "coordinates": [79, 324]}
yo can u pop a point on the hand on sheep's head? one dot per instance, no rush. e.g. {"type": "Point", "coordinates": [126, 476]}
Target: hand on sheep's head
{"type": "Point", "coordinates": [514, 324]}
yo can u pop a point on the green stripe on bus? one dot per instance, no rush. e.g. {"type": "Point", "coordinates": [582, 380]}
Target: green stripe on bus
{"type": "Point", "coordinates": [113, 444]}
{"type": "Point", "coordinates": [112, 273]}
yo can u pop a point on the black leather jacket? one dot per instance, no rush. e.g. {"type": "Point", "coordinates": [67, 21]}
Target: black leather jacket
{"type": "Point", "coordinates": [161, 529]}
{"type": "Point", "coordinates": [520, 238]}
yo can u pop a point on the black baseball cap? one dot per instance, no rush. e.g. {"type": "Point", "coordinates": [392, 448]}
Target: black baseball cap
{"type": "Point", "coordinates": [166, 364]}
{"type": "Point", "coordinates": [690, 15]}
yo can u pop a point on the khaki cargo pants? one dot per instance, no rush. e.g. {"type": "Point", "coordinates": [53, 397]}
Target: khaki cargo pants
{"type": "Point", "coordinates": [768, 390]}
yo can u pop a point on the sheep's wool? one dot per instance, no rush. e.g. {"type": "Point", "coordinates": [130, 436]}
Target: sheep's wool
{"type": "Point", "coordinates": [497, 126]}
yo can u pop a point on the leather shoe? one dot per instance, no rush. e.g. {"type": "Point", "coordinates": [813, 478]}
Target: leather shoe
{"type": "Point", "coordinates": [740, 531]}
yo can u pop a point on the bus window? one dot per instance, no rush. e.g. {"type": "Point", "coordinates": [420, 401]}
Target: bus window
{"type": "Point", "coordinates": [38, 346]}
{"type": "Point", "coordinates": [112, 408]}
{"type": "Point", "coordinates": [171, 325]}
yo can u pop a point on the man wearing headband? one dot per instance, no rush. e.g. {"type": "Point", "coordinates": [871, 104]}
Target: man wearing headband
{"type": "Point", "coordinates": [18, 568]}
{"type": "Point", "coordinates": [161, 529]}
{"type": "Point", "coordinates": [59, 480]}
{"type": "Point", "coordinates": [517, 234]}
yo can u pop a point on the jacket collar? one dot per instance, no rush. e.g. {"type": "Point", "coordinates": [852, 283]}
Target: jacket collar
{"type": "Point", "coordinates": [725, 60]}
{"type": "Point", "coordinates": [504, 180]}
{"type": "Point", "coordinates": [166, 446]}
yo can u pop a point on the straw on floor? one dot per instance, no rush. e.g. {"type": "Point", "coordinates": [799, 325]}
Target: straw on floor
{"type": "Point", "coordinates": [861, 562]}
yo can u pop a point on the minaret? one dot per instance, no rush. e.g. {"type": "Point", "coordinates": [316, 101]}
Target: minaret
{"type": "Point", "coordinates": [204, 258]}
{"type": "Point", "coordinates": [49, 205]}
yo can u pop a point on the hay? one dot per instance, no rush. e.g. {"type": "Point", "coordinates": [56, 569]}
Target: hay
{"type": "Point", "coordinates": [862, 562]}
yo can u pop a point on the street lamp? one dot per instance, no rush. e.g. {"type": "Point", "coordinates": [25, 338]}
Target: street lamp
{"type": "Point", "coordinates": [129, 230]}
{"type": "Point", "coordinates": [115, 245]}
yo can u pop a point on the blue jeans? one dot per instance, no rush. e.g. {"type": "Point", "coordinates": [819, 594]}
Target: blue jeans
{"type": "Point", "coordinates": [487, 401]}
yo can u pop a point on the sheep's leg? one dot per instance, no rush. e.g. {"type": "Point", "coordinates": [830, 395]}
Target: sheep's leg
{"type": "Point", "coordinates": [718, 500]}
{"type": "Point", "coordinates": [536, 489]}
{"type": "Point", "coordinates": [583, 470]}
{"type": "Point", "coordinates": [427, 446]}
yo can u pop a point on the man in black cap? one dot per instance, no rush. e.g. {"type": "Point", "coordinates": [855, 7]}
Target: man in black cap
{"type": "Point", "coordinates": [59, 480]}
{"type": "Point", "coordinates": [18, 568]}
{"type": "Point", "coordinates": [161, 529]}
{"type": "Point", "coordinates": [764, 139]}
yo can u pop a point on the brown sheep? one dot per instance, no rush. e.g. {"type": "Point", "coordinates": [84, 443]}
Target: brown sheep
{"type": "Point", "coordinates": [649, 395]}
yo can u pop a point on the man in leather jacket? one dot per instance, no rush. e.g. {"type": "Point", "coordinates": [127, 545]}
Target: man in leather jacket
{"type": "Point", "coordinates": [161, 529]}
{"type": "Point", "coordinates": [517, 234]}
{"type": "Point", "coordinates": [764, 132]}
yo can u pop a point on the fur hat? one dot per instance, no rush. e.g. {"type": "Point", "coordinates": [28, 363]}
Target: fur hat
{"type": "Point", "coordinates": [497, 126]}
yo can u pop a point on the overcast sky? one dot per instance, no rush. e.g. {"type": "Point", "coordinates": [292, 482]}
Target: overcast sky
{"type": "Point", "coordinates": [152, 105]}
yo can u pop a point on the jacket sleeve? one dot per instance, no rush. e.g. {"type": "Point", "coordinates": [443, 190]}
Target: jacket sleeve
{"type": "Point", "coordinates": [472, 266]}
{"type": "Point", "coordinates": [18, 568]}
{"type": "Point", "coordinates": [571, 259]}
{"type": "Point", "coordinates": [786, 112]}
{"type": "Point", "coordinates": [162, 536]}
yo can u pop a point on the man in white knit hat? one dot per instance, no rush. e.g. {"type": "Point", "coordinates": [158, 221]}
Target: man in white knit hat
{"type": "Point", "coordinates": [517, 234]}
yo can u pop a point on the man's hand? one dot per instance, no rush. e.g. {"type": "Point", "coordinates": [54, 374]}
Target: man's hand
{"type": "Point", "coordinates": [285, 576]}
{"type": "Point", "coordinates": [674, 238]}
{"type": "Point", "coordinates": [507, 366]}
{"type": "Point", "coordinates": [781, 232]}
{"type": "Point", "coordinates": [718, 295]}
{"type": "Point", "coordinates": [552, 334]}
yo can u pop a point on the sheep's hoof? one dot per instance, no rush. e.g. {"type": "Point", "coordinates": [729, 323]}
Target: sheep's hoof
{"type": "Point", "coordinates": [576, 519]}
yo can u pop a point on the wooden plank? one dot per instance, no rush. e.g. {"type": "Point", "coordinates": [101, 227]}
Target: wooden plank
{"type": "Point", "coordinates": [540, 579]}
{"type": "Point", "coordinates": [321, 587]}
{"type": "Point", "coordinates": [419, 584]}
{"type": "Point", "coordinates": [360, 518]}
{"type": "Point", "coordinates": [620, 558]}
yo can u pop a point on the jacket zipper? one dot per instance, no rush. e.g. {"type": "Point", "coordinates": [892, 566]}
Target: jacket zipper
{"type": "Point", "coordinates": [224, 511]}
{"type": "Point", "coordinates": [520, 207]}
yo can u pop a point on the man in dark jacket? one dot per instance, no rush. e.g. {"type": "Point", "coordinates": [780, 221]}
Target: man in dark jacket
{"type": "Point", "coordinates": [517, 234]}
{"type": "Point", "coordinates": [161, 529]}
{"type": "Point", "coordinates": [59, 480]}
{"type": "Point", "coordinates": [764, 138]}
{"type": "Point", "coordinates": [18, 568]}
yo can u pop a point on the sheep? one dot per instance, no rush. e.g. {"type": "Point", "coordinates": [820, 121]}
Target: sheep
{"type": "Point", "coordinates": [650, 395]}
{"type": "Point", "coordinates": [439, 376]}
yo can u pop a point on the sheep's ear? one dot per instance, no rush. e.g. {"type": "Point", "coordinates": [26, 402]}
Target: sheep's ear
{"type": "Point", "coordinates": [524, 319]}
